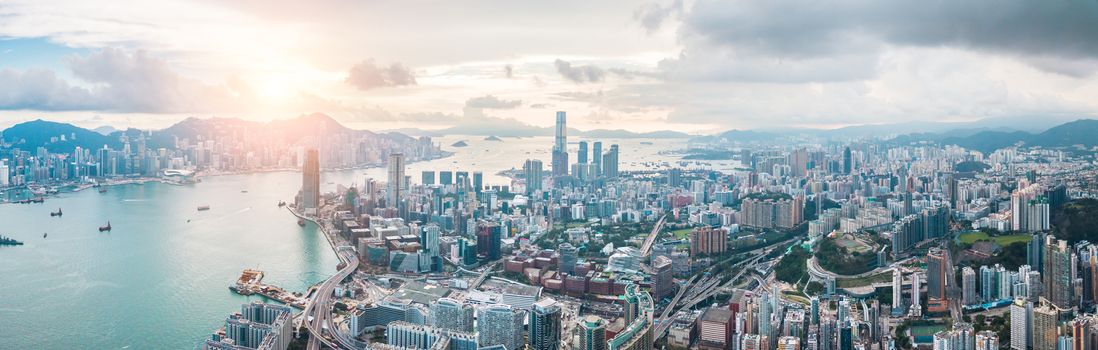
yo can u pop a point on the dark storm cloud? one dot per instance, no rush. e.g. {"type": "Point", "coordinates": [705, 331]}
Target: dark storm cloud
{"type": "Point", "coordinates": [809, 28]}
{"type": "Point", "coordinates": [368, 75]}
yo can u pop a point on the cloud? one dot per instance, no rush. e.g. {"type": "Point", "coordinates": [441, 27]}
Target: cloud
{"type": "Point", "coordinates": [652, 16]}
{"type": "Point", "coordinates": [367, 75]}
{"type": "Point", "coordinates": [509, 71]}
{"type": "Point", "coordinates": [579, 74]}
{"type": "Point", "coordinates": [492, 102]}
{"type": "Point", "coordinates": [118, 81]}
{"type": "Point", "coordinates": [801, 30]}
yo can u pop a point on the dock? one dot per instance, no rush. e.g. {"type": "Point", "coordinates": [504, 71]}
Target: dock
{"type": "Point", "coordinates": [250, 282]}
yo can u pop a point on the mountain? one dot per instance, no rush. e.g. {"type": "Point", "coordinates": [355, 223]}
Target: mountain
{"type": "Point", "coordinates": [30, 135]}
{"type": "Point", "coordinates": [105, 130]}
{"type": "Point", "coordinates": [55, 137]}
{"type": "Point", "coordinates": [1080, 132]}
{"type": "Point", "coordinates": [501, 127]}
{"type": "Point", "coordinates": [738, 136]}
{"type": "Point", "coordinates": [625, 134]}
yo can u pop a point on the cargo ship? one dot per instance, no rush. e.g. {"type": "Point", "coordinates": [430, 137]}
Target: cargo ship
{"type": "Point", "coordinates": [203, 207]}
{"type": "Point", "coordinates": [9, 241]}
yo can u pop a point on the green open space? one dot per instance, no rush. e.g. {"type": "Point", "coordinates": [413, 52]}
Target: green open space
{"type": "Point", "coordinates": [1002, 240]}
{"type": "Point", "coordinates": [864, 281]}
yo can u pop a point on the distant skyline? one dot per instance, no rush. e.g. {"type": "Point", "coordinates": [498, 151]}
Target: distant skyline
{"type": "Point", "coordinates": [692, 66]}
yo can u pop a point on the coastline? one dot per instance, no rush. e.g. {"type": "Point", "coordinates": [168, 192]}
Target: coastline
{"type": "Point", "coordinates": [77, 187]}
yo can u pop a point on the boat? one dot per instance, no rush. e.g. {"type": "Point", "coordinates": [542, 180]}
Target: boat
{"type": "Point", "coordinates": [281, 203]}
{"type": "Point", "coordinates": [45, 234]}
{"type": "Point", "coordinates": [203, 207]}
{"type": "Point", "coordinates": [58, 213]}
{"type": "Point", "coordinates": [102, 189]}
{"type": "Point", "coordinates": [243, 191]}
{"type": "Point", "coordinates": [301, 222]}
{"type": "Point", "coordinates": [9, 241]}
{"type": "Point", "coordinates": [105, 228]}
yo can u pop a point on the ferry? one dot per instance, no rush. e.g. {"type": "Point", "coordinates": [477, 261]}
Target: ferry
{"type": "Point", "coordinates": [105, 228]}
{"type": "Point", "coordinates": [58, 213]}
{"type": "Point", "coordinates": [301, 222]}
{"type": "Point", "coordinates": [203, 207]}
{"type": "Point", "coordinates": [102, 189]}
{"type": "Point", "coordinates": [281, 203]}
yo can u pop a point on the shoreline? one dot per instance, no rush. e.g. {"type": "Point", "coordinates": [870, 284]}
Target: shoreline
{"type": "Point", "coordinates": [75, 187]}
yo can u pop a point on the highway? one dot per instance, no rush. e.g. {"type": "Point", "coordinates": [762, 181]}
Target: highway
{"type": "Point", "coordinates": [318, 314]}
{"type": "Point", "coordinates": [646, 248]}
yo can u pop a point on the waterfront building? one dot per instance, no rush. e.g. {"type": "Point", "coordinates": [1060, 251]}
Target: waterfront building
{"type": "Point", "coordinates": [560, 146]}
{"type": "Point", "coordinates": [532, 173]}
{"type": "Point", "coordinates": [310, 185]}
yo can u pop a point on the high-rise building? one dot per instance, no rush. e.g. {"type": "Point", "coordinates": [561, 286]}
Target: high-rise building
{"type": "Point", "coordinates": [568, 257]}
{"type": "Point", "coordinates": [545, 325]}
{"type": "Point", "coordinates": [478, 181]}
{"type": "Point", "coordinates": [662, 278]}
{"type": "Point", "coordinates": [450, 314]}
{"type": "Point", "coordinates": [1045, 322]}
{"type": "Point", "coordinates": [489, 240]}
{"type": "Point", "coordinates": [592, 332]}
{"type": "Point", "coordinates": [581, 154]}
{"type": "Point", "coordinates": [708, 241]}
{"type": "Point", "coordinates": [396, 185]}
{"type": "Point", "coordinates": [848, 164]}
{"type": "Point", "coordinates": [939, 271]}
{"type": "Point", "coordinates": [446, 177]}
{"type": "Point", "coordinates": [916, 305]}
{"type": "Point", "coordinates": [1020, 319]}
{"type": "Point", "coordinates": [968, 285]}
{"type": "Point", "coordinates": [532, 172]}
{"type": "Point", "coordinates": [789, 343]}
{"type": "Point", "coordinates": [310, 185]}
{"type": "Point", "coordinates": [987, 340]}
{"type": "Point", "coordinates": [259, 325]}
{"type": "Point", "coordinates": [596, 157]}
{"type": "Point", "coordinates": [428, 177]}
{"type": "Point", "coordinates": [1058, 274]}
{"type": "Point", "coordinates": [610, 162]}
{"type": "Point", "coordinates": [500, 325]}
{"type": "Point", "coordinates": [897, 289]}
{"type": "Point", "coordinates": [560, 146]}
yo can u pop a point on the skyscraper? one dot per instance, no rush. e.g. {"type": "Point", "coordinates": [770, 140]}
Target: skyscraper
{"type": "Point", "coordinates": [1045, 321]}
{"type": "Point", "coordinates": [428, 177]}
{"type": "Point", "coordinates": [987, 340]}
{"type": "Point", "coordinates": [592, 333]}
{"type": "Point", "coordinates": [938, 274]}
{"type": "Point", "coordinates": [596, 157]}
{"type": "Point", "coordinates": [1058, 272]}
{"type": "Point", "coordinates": [532, 171]}
{"type": "Point", "coordinates": [610, 162]}
{"type": "Point", "coordinates": [310, 186]}
{"type": "Point", "coordinates": [968, 284]}
{"type": "Point", "coordinates": [581, 154]}
{"type": "Point", "coordinates": [848, 164]}
{"type": "Point", "coordinates": [568, 257]}
{"type": "Point", "coordinates": [545, 325]}
{"type": "Point", "coordinates": [560, 146]}
{"type": "Point", "coordinates": [396, 180]}
{"type": "Point", "coordinates": [662, 279]}
{"type": "Point", "coordinates": [1019, 324]}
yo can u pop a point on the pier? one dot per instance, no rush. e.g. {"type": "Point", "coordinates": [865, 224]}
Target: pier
{"type": "Point", "coordinates": [251, 282]}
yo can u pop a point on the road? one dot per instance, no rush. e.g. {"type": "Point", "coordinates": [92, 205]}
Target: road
{"type": "Point", "coordinates": [320, 308]}
{"type": "Point", "coordinates": [646, 248]}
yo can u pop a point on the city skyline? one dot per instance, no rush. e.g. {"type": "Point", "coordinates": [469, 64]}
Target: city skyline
{"type": "Point", "coordinates": [689, 66]}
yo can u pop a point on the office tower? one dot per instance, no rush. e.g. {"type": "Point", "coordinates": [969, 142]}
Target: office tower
{"type": "Point", "coordinates": [446, 177]}
{"type": "Point", "coordinates": [848, 164]}
{"type": "Point", "coordinates": [1019, 324]}
{"type": "Point", "coordinates": [592, 332]}
{"type": "Point", "coordinates": [765, 317]}
{"type": "Point", "coordinates": [1058, 273]}
{"type": "Point", "coordinates": [532, 174]}
{"type": "Point", "coordinates": [954, 192]}
{"type": "Point", "coordinates": [987, 340]}
{"type": "Point", "coordinates": [814, 318]}
{"type": "Point", "coordinates": [429, 240]}
{"type": "Point", "coordinates": [489, 240]}
{"type": "Point", "coordinates": [596, 157]}
{"type": "Point", "coordinates": [396, 180]}
{"type": "Point", "coordinates": [610, 162]}
{"type": "Point", "coordinates": [1035, 252]}
{"type": "Point", "coordinates": [478, 181]}
{"type": "Point", "coordinates": [500, 325]}
{"type": "Point", "coordinates": [662, 278]}
{"type": "Point", "coordinates": [968, 284]}
{"type": "Point", "coordinates": [560, 146]}
{"type": "Point", "coordinates": [581, 154]}
{"type": "Point", "coordinates": [1044, 331]}
{"type": "Point", "coordinates": [846, 337]}
{"type": "Point", "coordinates": [715, 327]}
{"type": "Point", "coordinates": [938, 274]}
{"type": "Point", "coordinates": [568, 257]}
{"type": "Point", "coordinates": [428, 177]}
{"type": "Point", "coordinates": [310, 185]}
{"type": "Point", "coordinates": [450, 314]}
{"type": "Point", "coordinates": [4, 174]}
{"type": "Point", "coordinates": [545, 325]}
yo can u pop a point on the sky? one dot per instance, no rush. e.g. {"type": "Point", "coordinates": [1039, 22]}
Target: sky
{"type": "Point", "coordinates": [699, 66]}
